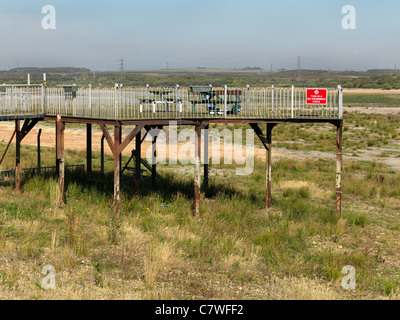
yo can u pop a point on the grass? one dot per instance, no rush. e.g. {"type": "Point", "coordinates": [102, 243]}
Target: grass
{"type": "Point", "coordinates": [234, 250]}
{"type": "Point", "coordinates": [371, 98]}
{"type": "Point", "coordinates": [162, 252]}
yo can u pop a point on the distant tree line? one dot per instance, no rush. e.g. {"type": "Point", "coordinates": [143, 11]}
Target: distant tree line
{"type": "Point", "coordinates": [239, 78]}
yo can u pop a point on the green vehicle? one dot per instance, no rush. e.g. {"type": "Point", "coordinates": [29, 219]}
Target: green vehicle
{"type": "Point", "coordinates": [70, 92]}
{"type": "Point", "coordinates": [214, 98]}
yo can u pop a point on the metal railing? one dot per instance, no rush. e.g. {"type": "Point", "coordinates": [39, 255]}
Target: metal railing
{"type": "Point", "coordinates": [29, 172]}
{"type": "Point", "coordinates": [22, 99]}
{"type": "Point", "coordinates": [176, 102]}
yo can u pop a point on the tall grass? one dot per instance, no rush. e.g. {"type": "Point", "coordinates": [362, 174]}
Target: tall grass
{"type": "Point", "coordinates": [160, 245]}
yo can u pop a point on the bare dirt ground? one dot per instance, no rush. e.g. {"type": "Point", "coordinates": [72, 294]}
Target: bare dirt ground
{"type": "Point", "coordinates": [75, 139]}
{"type": "Point", "coordinates": [370, 91]}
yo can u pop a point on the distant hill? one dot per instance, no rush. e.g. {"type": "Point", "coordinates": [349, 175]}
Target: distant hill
{"type": "Point", "coordinates": [59, 70]}
{"type": "Point", "coordinates": [383, 71]}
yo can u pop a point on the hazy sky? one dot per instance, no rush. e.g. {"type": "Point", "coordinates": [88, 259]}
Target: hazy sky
{"type": "Point", "coordinates": [219, 33]}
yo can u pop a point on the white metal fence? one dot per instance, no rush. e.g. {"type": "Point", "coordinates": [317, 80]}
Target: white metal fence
{"type": "Point", "coordinates": [22, 99]}
{"type": "Point", "coordinates": [168, 103]}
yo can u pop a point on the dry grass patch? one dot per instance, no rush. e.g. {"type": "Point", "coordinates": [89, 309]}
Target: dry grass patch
{"type": "Point", "coordinates": [315, 190]}
{"type": "Point", "coordinates": [178, 234]}
{"type": "Point", "coordinates": [62, 258]}
{"type": "Point", "coordinates": [291, 288]}
{"type": "Point", "coordinates": [160, 259]}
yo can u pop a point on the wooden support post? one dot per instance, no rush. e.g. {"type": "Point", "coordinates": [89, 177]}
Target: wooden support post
{"type": "Point", "coordinates": [38, 152]}
{"type": "Point", "coordinates": [57, 161]}
{"type": "Point", "coordinates": [18, 156]}
{"type": "Point", "coordinates": [120, 154]}
{"type": "Point", "coordinates": [339, 168]}
{"type": "Point", "coordinates": [267, 142]}
{"type": "Point", "coordinates": [117, 171]}
{"type": "Point", "coordinates": [60, 128]}
{"type": "Point", "coordinates": [197, 170]}
{"type": "Point", "coordinates": [137, 159]}
{"type": "Point", "coordinates": [117, 147]}
{"type": "Point", "coordinates": [268, 198]}
{"type": "Point", "coordinates": [206, 155]}
{"type": "Point", "coordinates": [102, 154]}
{"type": "Point", "coordinates": [89, 148]}
{"type": "Point", "coordinates": [154, 162]}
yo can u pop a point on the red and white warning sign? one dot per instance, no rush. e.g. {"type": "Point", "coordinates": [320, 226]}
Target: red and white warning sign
{"type": "Point", "coordinates": [317, 96]}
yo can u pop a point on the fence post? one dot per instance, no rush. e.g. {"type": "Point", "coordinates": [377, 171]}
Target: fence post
{"type": "Point", "coordinates": [45, 93]}
{"type": "Point", "coordinates": [12, 98]}
{"type": "Point", "coordinates": [28, 100]}
{"type": "Point", "coordinates": [225, 99]}
{"type": "Point", "coordinates": [120, 101]}
{"type": "Point", "coordinates": [247, 98]}
{"type": "Point", "coordinates": [178, 103]}
{"type": "Point", "coordinates": [42, 97]}
{"type": "Point", "coordinates": [292, 102]}
{"type": "Point", "coordinates": [90, 99]}
{"type": "Point", "coordinates": [340, 102]}
{"type": "Point", "coordinates": [272, 99]}
{"type": "Point", "coordinates": [116, 101]}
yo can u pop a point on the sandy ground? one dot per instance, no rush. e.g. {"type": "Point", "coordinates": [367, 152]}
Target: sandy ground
{"type": "Point", "coordinates": [75, 139]}
{"type": "Point", "coordinates": [370, 91]}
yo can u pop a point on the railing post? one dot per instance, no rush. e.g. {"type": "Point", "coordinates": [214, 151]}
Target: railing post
{"type": "Point", "coordinates": [44, 91]}
{"type": "Point", "coordinates": [12, 98]}
{"type": "Point", "coordinates": [340, 102]}
{"type": "Point", "coordinates": [247, 98]}
{"type": "Point", "coordinates": [90, 99]}
{"type": "Point", "coordinates": [42, 97]}
{"type": "Point", "coordinates": [272, 99]}
{"type": "Point", "coordinates": [292, 102]}
{"type": "Point", "coordinates": [28, 100]}
{"type": "Point", "coordinates": [225, 99]}
{"type": "Point", "coordinates": [120, 100]}
{"type": "Point", "coordinates": [178, 103]}
{"type": "Point", "coordinates": [116, 101]}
